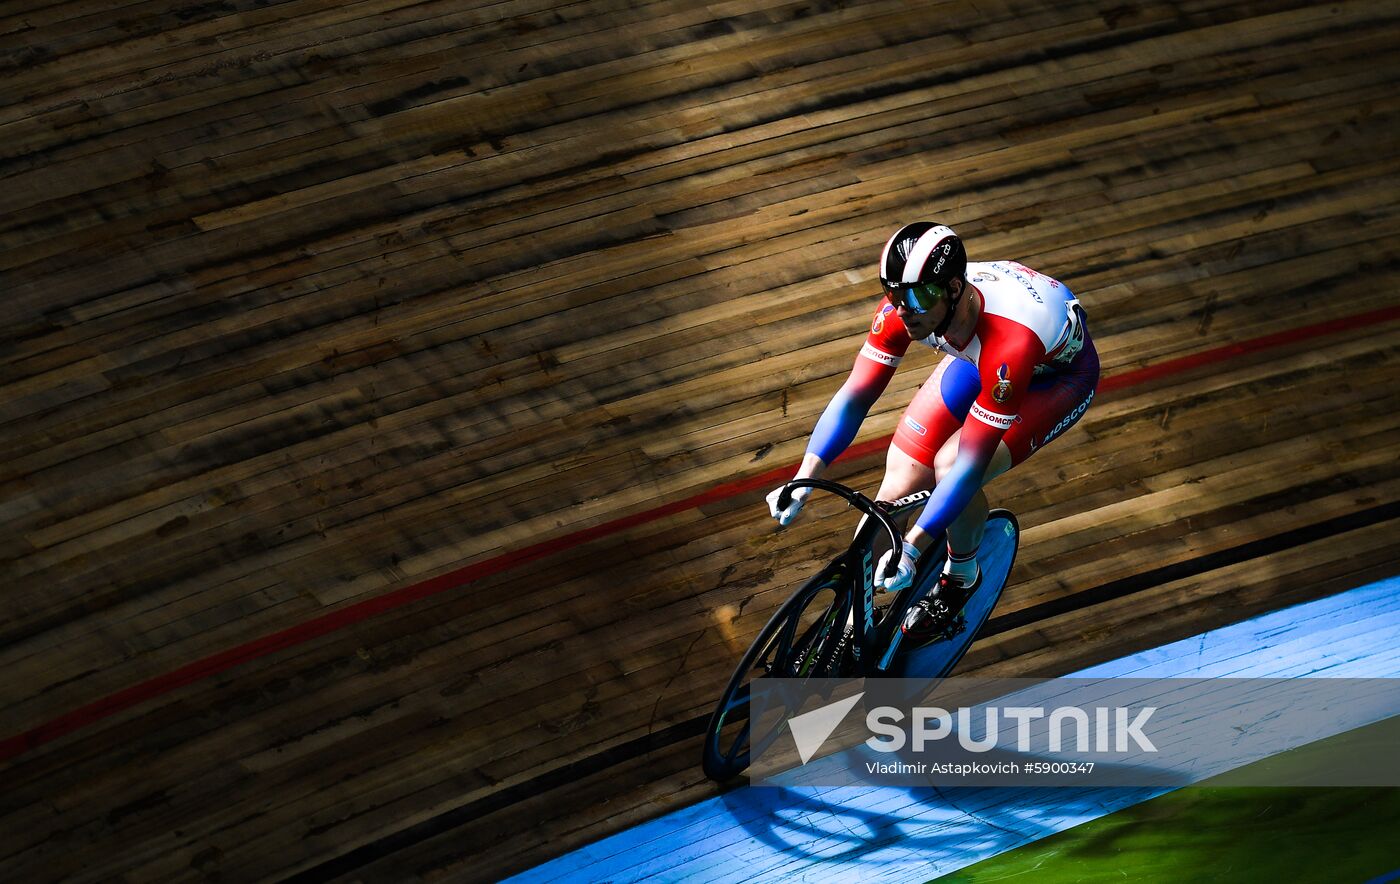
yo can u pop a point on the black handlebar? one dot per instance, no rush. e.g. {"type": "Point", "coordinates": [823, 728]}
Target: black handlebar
{"type": "Point", "coordinates": [860, 502]}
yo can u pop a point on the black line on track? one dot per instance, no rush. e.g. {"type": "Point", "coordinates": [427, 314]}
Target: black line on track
{"type": "Point", "coordinates": [458, 816]}
{"type": "Point", "coordinates": [1116, 589]}
{"type": "Point", "coordinates": [572, 772]}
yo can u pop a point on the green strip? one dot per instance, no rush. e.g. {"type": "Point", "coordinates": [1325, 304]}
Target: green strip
{"type": "Point", "coordinates": [1218, 831]}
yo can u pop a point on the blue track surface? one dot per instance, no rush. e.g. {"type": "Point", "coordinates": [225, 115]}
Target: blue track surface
{"type": "Point", "coordinates": [903, 834]}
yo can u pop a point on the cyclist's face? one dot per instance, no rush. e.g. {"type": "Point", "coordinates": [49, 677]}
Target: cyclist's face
{"type": "Point", "coordinates": [921, 325]}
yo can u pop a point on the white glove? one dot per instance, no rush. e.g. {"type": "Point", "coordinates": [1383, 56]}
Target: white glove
{"type": "Point", "coordinates": [785, 516]}
{"type": "Point", "coordinates": [908, 561]}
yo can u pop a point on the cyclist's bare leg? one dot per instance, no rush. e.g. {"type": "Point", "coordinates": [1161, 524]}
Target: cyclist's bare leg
{"type": "Point", "coordinates": [904, 475]}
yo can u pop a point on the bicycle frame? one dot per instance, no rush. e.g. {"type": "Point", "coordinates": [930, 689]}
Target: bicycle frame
{"type": "Point", "coordinates": [873, 656]}
{"type": "Point", "coordinates": [845, 625]}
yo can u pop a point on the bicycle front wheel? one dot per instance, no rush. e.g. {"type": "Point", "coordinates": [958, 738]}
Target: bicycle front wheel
{"type": "Point", "coordinates": [800, 640]}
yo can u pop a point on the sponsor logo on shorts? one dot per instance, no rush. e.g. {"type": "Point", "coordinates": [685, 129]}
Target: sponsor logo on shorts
{"type": "Point", "coordinates": [915, 425]}
{"type": "Point", "coordinates": [1068, 420]}
{"type": "Point", "coordinates": [1002, 391]}
{"type": "Point", "coordinates": [991, 418]}
{"type": "Point", "coordinates": [879, 356]}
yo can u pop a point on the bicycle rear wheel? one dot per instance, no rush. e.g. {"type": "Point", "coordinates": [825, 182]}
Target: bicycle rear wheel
{"type": "Point", "coordinates": [803, 639]}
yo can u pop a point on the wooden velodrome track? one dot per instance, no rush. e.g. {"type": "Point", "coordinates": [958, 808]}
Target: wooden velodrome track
{"type": "Point", "coordinates": [390, 387]}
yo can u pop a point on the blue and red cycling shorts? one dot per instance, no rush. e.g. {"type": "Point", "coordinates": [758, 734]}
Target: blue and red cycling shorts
{"type": "Point", "coordinates": [1054, 402]}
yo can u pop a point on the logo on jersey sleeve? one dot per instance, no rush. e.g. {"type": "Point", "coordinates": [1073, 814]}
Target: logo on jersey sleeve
{"type": "Point", "coordinates": [1002, 391]}
{"type": "Point", "coordinates": [991, 418]}
{"type": "Point", "coordinates": [879, 356]}
{"type": "Point", "coordinates": [879, 324]}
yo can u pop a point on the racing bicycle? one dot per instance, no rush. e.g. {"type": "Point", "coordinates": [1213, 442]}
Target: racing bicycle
{"type": "Point", "coordinates": [832, 628]}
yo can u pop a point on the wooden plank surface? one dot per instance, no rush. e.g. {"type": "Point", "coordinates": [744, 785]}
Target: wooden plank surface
{"type": "Point", "coordinates": [306, 304]}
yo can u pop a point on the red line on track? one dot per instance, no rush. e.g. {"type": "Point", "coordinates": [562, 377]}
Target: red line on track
{"type": "Point", "coordinates": [360, 611]}
{"type": "Point", "coordinates": [1254, 345]}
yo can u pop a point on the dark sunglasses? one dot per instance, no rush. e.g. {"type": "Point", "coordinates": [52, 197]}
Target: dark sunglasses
{"type": "Point", "coordinates": [916, 297]}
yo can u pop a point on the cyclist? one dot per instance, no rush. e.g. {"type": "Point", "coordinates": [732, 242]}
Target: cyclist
{"type": "Point", "coordinates": [1019, 370]}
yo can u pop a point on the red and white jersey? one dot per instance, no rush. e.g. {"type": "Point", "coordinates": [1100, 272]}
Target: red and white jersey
{"type": "Point", "coordinates": [1029, 323]}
